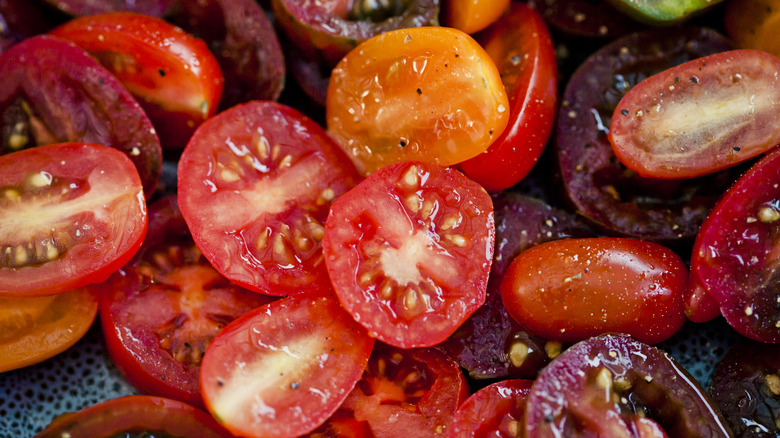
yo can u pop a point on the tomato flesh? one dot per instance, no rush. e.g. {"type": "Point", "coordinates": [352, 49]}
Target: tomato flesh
{"type": "Point", "coordinates": [72, 214]}
{"type": "Point", "coordinates": [408, 252]}
{"type": "Point", "coordinates": [494, 411]}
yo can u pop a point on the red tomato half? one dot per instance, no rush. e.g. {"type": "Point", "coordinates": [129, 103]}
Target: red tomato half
{"type": "Point", "coordinates": [409, 250]}
{"type": "Point", "coordinates": [255, 185]}
{"type": "Point", "coordinates": [173, 75]}
{"type": "Point", "coordinates": [699, 117]}
{"type": "Point", "coordinates": [283, 369]}
{"type": "Point", "coordinates": [520, 45]}
{"type": "Point", "coordinates": [160, 312]}
{"type": "Point", "coordinates": [569, 290]}
{"type": "Point", "coordinates": [70, 215]}
{"type": "Point", "coordinates": [135, 415]}
{"type": "Point", "coordinates": [494, 411]}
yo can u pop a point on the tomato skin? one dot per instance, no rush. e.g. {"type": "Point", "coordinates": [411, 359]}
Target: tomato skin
{"type": "Point", "coordinates": [700, 306]}
{"type": "Point", "coordinates": [429, 103]}
{"type": "Point", "coordinates": [494, 411]}
{"type": "Point", "coordinates": [752, 24]}
{"type": "Point", "coordinates": [531, 85]}
{"type": "Point", "coordinates": [471, 16]}
{"type": "Point", "coordinates": [571, 289]}
{"type": "Point", "coordinates": [665, 127]}
{"type": "Point", "coordinates": [659, 12]}
{"type": "Point", "coordinates": [173, 75]}
{"type": "Point", "coordinates": [156, 8]}
{"type": "Point", "coordinates": [95, 207]}
{"type": "Point", "coordinates": [132, 414]}
{"type": "Point", "coordinates": [408, 251]}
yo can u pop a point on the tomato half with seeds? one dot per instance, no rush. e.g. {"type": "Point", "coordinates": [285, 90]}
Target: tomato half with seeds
{"type": "Point", "coordinates": [522, 49]}
{"type": "Point", "coordinates": [736, 252]}
{"type": "Point", "coordinates": [494, 411]}
{"type": "Point", "coordinates": [699, 117]}
{"type": "Point", "coordinates": [283, 369]}
{"type": "Point", "coordinates": [255, 185]}
{"type": "Point", "coordinates": [33, 329]}
{"type": "Point", "coordinates": [408, 251]}
{"type": "Point", "coordinates": [162, 309]}
{"type": "Point", "coordinates": [173, 75]}
{"type": "Point", "coordinates": [421, 94]}
{"type": "Point", "coordinates": [72, 214]}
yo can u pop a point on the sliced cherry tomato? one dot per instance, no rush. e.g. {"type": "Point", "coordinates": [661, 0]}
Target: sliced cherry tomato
{"type": "Point", "coordinates": [162, 309]}
{"type": "Point", "coordinates": [283, 369]}
{"type": "Point", "coordinates": [521, 47]}
{"type": "Point", "coordinates": [663, 11]}
{"type": "Point", "coordinates": [409, 250]}
{"type": "Point", "coordinates": [614, 386]}
{"type": "Point", "coordinates": [746, 387]}
{"type": "Point", "coordinates": [471, 16]}
{"type": "Point", "coordinates": [72, 214]}
{"type": "Point", "coordinates": [137, 415]}
{"type": "Point", "coordinates": [156, 8]}
{"type": "Point", "coordinates": [53, 91]}
{"type": "Point", "coordinates": [572, 289]}
{"type": "Point", "coordinates": [36, 328]}
{"type": "Point", "coordinates": [585, 18]}
{"type": "Point", "coordinates": [433, 95]}
{"type": "Point", "coordinates": [752, 24]}
{"type": "Point", "coordinates": [173, 75]}
{"type": "Point", "coordinates": [255, 185]}
{"type": "Point", "coordinates": [699, 117]}
{"type": "Point", "coordinates": [736, 252]}
{"type": "Point", "coordinates": [494, 411]}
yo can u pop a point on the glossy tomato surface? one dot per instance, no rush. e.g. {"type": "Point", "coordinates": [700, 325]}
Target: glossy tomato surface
{"type": "Point", "coordinates": [615, 386]}
{"type": "Point", "coordinates": [139, 415]}
{"type": "Point", "coordinates": [283, 369]}
{"type": "Point", "coordinates": [172, 74]}
{"type": "Point", "coordinates": [471, 16]}
{"type": "Point", "coordinates": [53, 91]}
{"type": "Point", "coordinates": [520, 45]}
{"type": "Point", "coordinates": [752, 23]}
{"type": "Point", "coordinates": [162, 309]}
{"type": "Point", "coordinates": [255, 184]}
{"type": "Point", "coordinates": [36, 328]}
{"type": "Point", "coordinates": [494, 411]}
{"type": "Point", "coordinates": [422, 94]}
{"type": "Point", "coordinates": [72, 214]}
{"type": "Point", "coordinates": [408, 251]}
{"type": "Point", "coordinates": [699, 117]}
{"type": "Point", "coordinates": [736, 252]}
{"type": "Point", "coordinates": [572, 289]}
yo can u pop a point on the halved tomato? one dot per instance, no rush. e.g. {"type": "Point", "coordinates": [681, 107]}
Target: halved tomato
{"type": "Point", "coordinates": [173, 75]}
{"type": "Point", "coordinates": [71, 214]}
{"type": "Point", "coordinates": [409, 250]}
{"type": "Point", "coordinates": [36, 328]}
{"type": "Point", "coordinates": [494, 411]}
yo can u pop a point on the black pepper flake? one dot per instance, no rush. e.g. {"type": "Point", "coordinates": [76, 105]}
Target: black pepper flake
{"type": "Point", "coordinates": [402, 143]}
{"type": "Point", "coordinates": [737, 148]}
{"type": "Point", "coordinates": [419, 91]}
{"type": "Point", "coordinates": [624, 112]}
{"type": "Point", "coordinates": [457, 55]}
{"type": "Point", "coordinates": [295, 385]}
{"type": "Point", "coordinates": [676, 79]}
{"type": "Point", "coordinates": [694, 79]}
{"type": "Point", "coordinates": [101, 81]}
{"type": "Point", "coordinates": [220, 383]}
{"type": "Point", "coordinates": [161, 72]}
{"type": "Point", "coordinates": [491, 132]}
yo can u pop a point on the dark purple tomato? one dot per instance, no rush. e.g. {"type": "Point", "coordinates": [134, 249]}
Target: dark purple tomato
{"type": "Point", "coordinates": [156, 8]}
{"type": "Point", "coordinates": [599, 187]}
{"type": "Point", "coordinates": [21, 19]}
{"type": "Point", "coordinates": [244, 42]}
{"type": "Point", "coordinates": [737, 252]}
{"type": "Point", "coordinates": [746, 388]}
{"type": "Point", "coordinates": [585, 18]}
{"type": "Point", "coordinates": [495, 411]}
{"type": "Point", "coordinates": [615, 386]}
{"type": "Point", "coordinates": [52, 91]}
{"type": "Point", "coordinates": [490, 344]}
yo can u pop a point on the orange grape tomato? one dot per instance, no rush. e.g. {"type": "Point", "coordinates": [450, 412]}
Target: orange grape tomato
{"type": "Point", "coordinates": [471, 16]}
{"type": "Point", "coordinates": [421, 94]}
{"type": "Point", "coordinates": [753, 24]}
{"type": "Point", "coordinates": [36, 328]}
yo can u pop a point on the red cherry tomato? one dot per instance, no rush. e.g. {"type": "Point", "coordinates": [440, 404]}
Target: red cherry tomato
{"type": "Point", "coordinates": [700, 306]}
{"type": "Point", "coordinates": [408, 252]}
{"type": "Point", "coordinates": [699, 117]}
{"type": "Point", "coordinates": [255, 184]}
{"type": "Point", "coordinates": [136, 414]}
{"type": "Point", "coordinates": [572, 289]}
{"type": "Point", "coordinates": [72, 214]}
{"type": "Point", "coordinates": [160, 312]}
{"type": "Point", "coordinates": [494, 411]}
{"type": "Point", "coordinates": [173, 75]}
{"type": "Point", "coordinates": [520, 45]}
{"type": "Point", "coordinates": [283, 369]}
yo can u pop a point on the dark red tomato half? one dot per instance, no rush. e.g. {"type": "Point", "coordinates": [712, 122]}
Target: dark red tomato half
{"type": "Point", "coordinates": [157, 8]}
{"type": "Point", "coordinates": [173, 75]}
{"type": "Point", "coordinates": [520, 45]}
{"type": "Point", "coordinates": [255, 185]}
{"type": "Point", "coordinates": [699, 117]}
{"type": "Point", "coordinates": [70, 215]}
{"type": "Point", "coordinates": [736, 254]}
{"type": "Point", "coordinates": [409, 250]}
{"type": "Point", "coordinates": [569, 290]}
{"type": "Point", "coordinates": [160, 312]}
{"type": "Point", "coordinates": [137, 415]}
{"type": "Point", "coordinates": [283, 369]}
{"type": "Point", "coordinates": [495, 411]}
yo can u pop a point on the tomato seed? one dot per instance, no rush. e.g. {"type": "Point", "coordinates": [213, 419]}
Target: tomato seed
{"type": "Point", "coordinates": [773, 382]}
{"type": "Point", "coordinates": [518, 353]}
{"type": "Point", "coordinates": [553, 349]}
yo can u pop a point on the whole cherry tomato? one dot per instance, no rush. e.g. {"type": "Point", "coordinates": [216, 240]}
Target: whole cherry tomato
{"type": "Point", "coordinates": [471, 16]}
{"type": "Point", "coordinates": [752, 24]}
